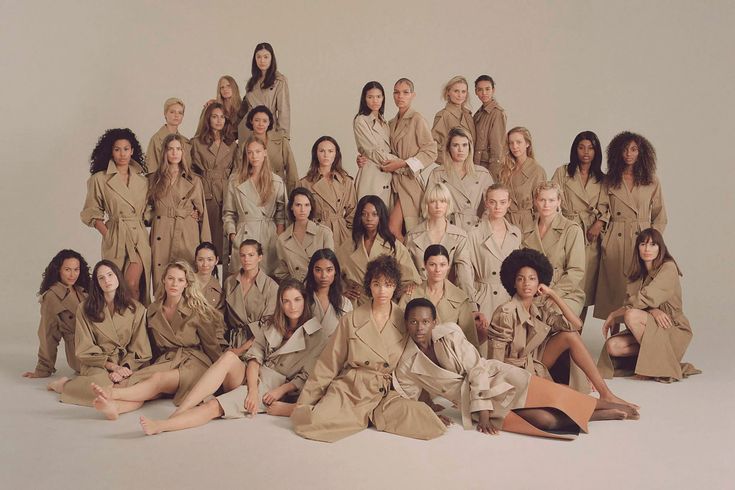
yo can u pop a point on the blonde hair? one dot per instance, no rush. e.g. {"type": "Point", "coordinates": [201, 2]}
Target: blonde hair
{"type": "Point", "coordinates": [548, 186]}
{"type": "Point", "coordinates": [508, 163]}
{"type": "Point", "coordinates": [160, 183]}
{"type": "Point", "coordinates": [437, 192]}
{"type": "Point", "coordinates": [453, 81]}
{"type": "Point", "coordinates": [173, 101]}
{"type": "Point", "coordinates": [496, 187]}
{"type": "Point", "coordinates": [192, 295]}
{"type": "Point", "coordinates": [468, 164]}
{"type": "Point", "coordinates": [232, 107]}
{"type": "Point", "coordinates": [264, 183]}
{"type": "Point", "coordinates": [406, 81]}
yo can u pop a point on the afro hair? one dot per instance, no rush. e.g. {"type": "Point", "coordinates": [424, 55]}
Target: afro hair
{"type": "Point", "coordinates": [525, 257]}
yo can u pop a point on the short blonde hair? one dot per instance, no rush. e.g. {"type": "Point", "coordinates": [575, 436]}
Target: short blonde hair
{"type": "Point", "coordinates": [452, 81]}
{"type": "Point", "coordinates": [437, 192]}
{"type": "Point", "coordinates": [406, 81]}
{"type": "Point", "coordinates": [497, 187]}
{"type": "Point", "coordinates": [173, 101]}
{"type": "Point", "coordinates": [548, 186]}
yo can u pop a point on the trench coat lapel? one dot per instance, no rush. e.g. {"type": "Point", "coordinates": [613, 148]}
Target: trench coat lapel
{"type": "Point", "coordinates": [537, 330]}
{"type": "Point", "coordinates": [324, 190]}
{"type": "Point", "coordinates": [117, 183]}
{"type": "Point", "coordinates": [553, 235]}
{"type": "Point", "coordinates": [493, 247]}
{"type": "Point", "coordinates": [234, 298]}
{"type": "Point", "coordinates": [400, 126]}
{"type": "Point", "coordinates": [297, 342]}
{"type": "Point", "coordinates": [625, 196]}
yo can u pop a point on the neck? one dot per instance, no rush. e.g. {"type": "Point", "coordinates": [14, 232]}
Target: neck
{"type": "Point", "coordinates": [323, 292]}
{"type": "Point", "coordinates": [435, 286]}
{"type": "Point", "coordinates": [217, 134]}
{"type": "Point", "coordinates": [584, 167]}
{"type": "Point", "coordinates": [171, 128]}
{"type": "Point", "coordinates": [293, 323]}
{"type": "Point", "coordinates": [381, 308]}
{"type": "Point", "coordinates": [300, 225]}
{"type": "Point", "coordinates": [255, 172]}
{"type": "Point", "coordinates": [370, 235]}
{"type": "Point", "coordinates": [527, 302]}
{"type": "Point", "coordinates": [171, 301]}
{"type": "Point", "coordinates": [250, 274]}
{"type": "Point", "coordinates": [375, 114]}
{"type": "Point", "coordinates": [424, 346]}
{"type": "Point", "coordinates": [546, 220]}
{"type": "Point", "coordinates": [648, 264]}
{"type": "Point", "coordinates": [204, 276]}
{"type": "Point", "coordinates": [173, 169]}
{"type": "Point", "coordinates": [437, 222]}
{"type": "Point", "coordinates": [122, 167]}
{"type": "Point", "coordinates": [401, 112]}
{"type": "Point", "coordinates": [325, 170]}
{"type": "Point", "coordinates": [497, 222]}
{"type": "Point", "coordinates": [110, 297]}
{"type": "Point", "coordinates": [521, 159]}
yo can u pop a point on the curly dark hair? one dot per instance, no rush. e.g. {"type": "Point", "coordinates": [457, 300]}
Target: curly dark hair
{"type": "Point", "coordinates": [358, 230]}
{"type": "Point", "coordinates": [258, 110]}
{"type": "Point", "coordinates": [383, 266]}
{"type": "Point", "coordinates": [644, 168]}
{"type": "Point", "coordinates": [525, 257]}
{"type": "Point", "coordinates": [596, 165]}
{"type": "Point", "coordinates": [102, 153]}
{"type": "Point", "coordinates": [337, 287]}
{"type": "Point", "coordinates": [51, 274]}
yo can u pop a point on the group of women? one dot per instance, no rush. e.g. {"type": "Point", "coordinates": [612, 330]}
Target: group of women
{"type": "Point", "coordinates": [469, 272]}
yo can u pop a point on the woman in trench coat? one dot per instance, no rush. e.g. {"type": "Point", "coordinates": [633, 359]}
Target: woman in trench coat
{"type": "Point", "coordinates": [173, 113]}
{"type": "Point", "coordinates": [205, 263]}
{"type": "Point", "coordinates": [268, 87]}
{"type": "Point", "coordinates": [324, 288]}
{"type": "Point", "coordinates": [456, 114]}
{"type": "Point", "coordinates": [490, 122]}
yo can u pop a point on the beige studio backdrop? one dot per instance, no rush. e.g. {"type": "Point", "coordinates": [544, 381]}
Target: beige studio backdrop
{"type": "Point", "coordinates": [662, 68]}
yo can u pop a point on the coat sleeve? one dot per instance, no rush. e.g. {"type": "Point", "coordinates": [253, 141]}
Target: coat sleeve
{"type": "Point", "coordinates": [603, 205]}
{"type": "Point", "coordinates": [271, 297]}
{"type": "Point", "coordinates": [467, 322]}
{"type": "Point", "coordinates": [229, 209]}
{"type": "Point", "coordinates": [281, 270]}
{"type": "Point", "coordinates": [350, 202]}
{"type": "Point", "coordinates": [658, 209]}
{"type": "Point", "coordinates": [139, 348]}
{"type": "Point", "coordinates": [283, 106]}
{"type": "Point", "coordinates": [211, 336]}
{"type": "Point", "coordinates": [552, 316]}
{"type": "Point", "coordinates": [477, 376]}
{"type": "Point", "coordinates": [660, 290]}
{"type": "Point", "coordinates": [153, 155]}
{"type": "Point", "coordinates": [279, 215]}
{"type": "Point", "coordinates": [85, 346]}
{"type": "Point", "coordinates": [49, 322]}
{"type": "Point", "coordinates": [404, 382]}
{"type": "Point", "coordinates": [289, 163]}
{"type": "Point", "coordinates": [330, 363]}
{"type": "Point", "coordinates": [559, 179]}
{"type": "Point", "coordinates": [205, 234]}
{"type": "Point", "coordinates": [427, 146]}
{"type": "Point", "coordinates": [497, 135]}
{"type": "Point", "coordinates": [439, 132]}
{"type": "Point", "coordinates": [463, 267]}
{"type": "Point", "coordinates": [366, 144]}
{"type": "Point", "coordinates": [408, 269]}
{"type": "Point", "coordinates": [258, 350]}
{"type": "Point", "coordinates": [570, 280]}
{"type": "Point", "coordinates": [94, 204]}
{"type": "Point", "coordinates": [500, 334]}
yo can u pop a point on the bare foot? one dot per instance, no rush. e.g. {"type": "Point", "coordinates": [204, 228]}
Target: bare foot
{"type": "Point", "coordinates": [280, 409]}
{"type": "Point", "coordinates": [100, 391]}
{"type": "Point", "coordinates": [35, 374]}
{"type": "Point", "coordinates": [609, 414]}
{"type": "Point", "coordinates": [104, 405]}
{"type": "Point", "coordinates": [616, 399]}
{"type": "Point", "coordinates": [58, 385]}
{"type": "Point", "coordinates": [150, 427]}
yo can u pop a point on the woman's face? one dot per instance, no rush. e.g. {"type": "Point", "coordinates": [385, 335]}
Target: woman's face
{"type": "Point", "coordinates": [381, 290]}
{"type": "Point", "coordinates": [174, 152]}
{"type": "Point", "coordinates": [122, 152]}
{"type": "Point", "coordinates": [324, 272]}
{"type": "Point", "coordinates": [547, 203]}
{"type": "Point", "coordinates": [107, 279]}
{"type": "Point", "coordinates": [457, 93]}
{"type": "Point", "coordinates": [437, 209]}
{"type": "Point", "coordinates": [292, 303]}
{"type": "Point", "coordinates": [369, 217]}
{"type": "Point", "coordinates": [403, 96]}
{"type": "Point", "coordinates": [459, 149]}
{"type": "Point", "coordinates": [648, 250]}
{"type": "Point", "coordinates": [585, 152]}
{"type": "Point", "coordinates": [301, 208]}
{"type": "Point", "coordinates": [630, 153]}
{"type": "Point", "coordinates": [256, 154]}
{"type": "Point", "coordinates": [206, 261]}
{"type": "Point", "coordinates": [174, 282]}
{"type": "Point", "coordinates": [437, 268]}
{"type": "Point", "coordinates": [249, 258]}
{"type": "Point", "coordinates": [484, 91]}
{"type": "Point", "coordinates": [217, 119]}
{"type": "Point", "coordinates": [69, 272]}
{"type": "Point", "coordinates": [526, 283]}
{"type": "Point", "coordinates": [326, 152]}
{"type": "Point", "coordinates": [374, 99]}
{"type": "Point", "coordinates": [225, 89]}
{"type": "Point", "coordinates": [518, 145]}
{"type": "Point", "coordinates": [497, 203]}
{"type": "Point", "coordinates": [260, 123]}
{"type": "Point", "coordinates": [263, 59]}
{"type": "Point", "coordinates": [174, 115]}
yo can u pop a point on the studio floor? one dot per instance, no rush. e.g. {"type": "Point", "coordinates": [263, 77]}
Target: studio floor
{"type": "Point", "coordinates": [683, 440]}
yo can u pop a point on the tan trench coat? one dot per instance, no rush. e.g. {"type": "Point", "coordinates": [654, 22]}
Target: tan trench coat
{"type": "Point", "coordinates": [124, 207]}
{"type": "Point", "coordinates": [121, 339]}
{"type": "Point", "coordinates": [175, 234]}
{"type": "Point", "coordinates": [154, 155]}
{"type": "Point", "coordinates": [214, 164]}
{"type": "Point", "coordinates": [468, 194]}
{"type": "Point", "coordinates": [411, 140]}
{"type": "Point", "coordinates": [455, 241]}
{"type": "Point", "coordinates": [522, 183]}
{"type": "Point", "coordinates": [372, 137]}
{"type": "Point", "coordinates": [280, 157]}
{"type": "Point", "coordinates": [350, 385]}
{"type": "Point", "coordinates": [580, 204]}
{"type": "Point", "coordinates": [629, 213]}
{"type": "Point", "coordinates": [445, 120]}
{"type": "Point", "coordinates": [353, 262]}
{"type": "Point", "coordinates": [453, 307]}
{"type": "Point", "coordinates": [245, 216]}
{"type": "Point", "coordinates": [276, 98]}
{"type": "Point", "coordinates": [58, 320]}
{"type": "Point", "coordinates": [329, 318]}
{"type": "Point", "coordinates": [335, 204]}
{"type": "Point", "coordinates": [241, 311]}
{"type": "Point", "coordinates": [490, 122]}
{"type": "Point", "coordinates": [214, 294]}
{"type": "Point", "coordinates": [294, 257]}
{"type": "Point", "coordinates": [661, 350]}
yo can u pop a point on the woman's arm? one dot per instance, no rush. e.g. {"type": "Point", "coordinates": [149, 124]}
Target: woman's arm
{"type": "Point", "coordinates": [574, 321]}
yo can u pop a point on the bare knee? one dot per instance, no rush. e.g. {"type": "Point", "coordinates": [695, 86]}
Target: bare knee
{"type": "Point", "coordinates": [569, 338]}
{"type": "Point", "coordinates": [228, 358]}
{"type": "Point", "coordinates": [634, 317]}
{"type": "Point", "coordinates": [541, 419]}
{"type": "Point", "coordinates": [615, 346]}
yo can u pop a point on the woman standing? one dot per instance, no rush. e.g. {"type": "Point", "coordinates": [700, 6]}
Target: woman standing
{"type": "Point", "coordinates": [490, 121]}
{"type": "Point", "coordinates": [268, 87]}
{"type": "Point", "coordinates": [333, 189]}
{"type": "Point", "coordinates": [115, 206]}
{"type": "Point", "coordinates": [632, 201]}
{"type": "Point", "coordinates": [324, 290]}
{"type": "Point", "coordinates": [173, 113]}
{"type": "Point", "coordinates": [456, 114]}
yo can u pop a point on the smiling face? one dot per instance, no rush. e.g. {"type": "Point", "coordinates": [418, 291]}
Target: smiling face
{"type": "Point", "coordinates": [526, 283]}
{"type": "Point", "coordinates": [174, 282]}
{"type": "Point", "coordinates": [374, 99]}
{"type": "Point", "coordinates": [326, 152]}
{"type": "Point", "coordinates": [437, 268]}
{"type": "Point", "coordinates": [420, 324]}
{"type": "Point", "coordinates": [107, 279]}
{"type": "Point", "coordinates": [459, 148]}
{"type": "Point", "coordinates": [206, 261]}
{"type": "Point", "coordinates": [174, 152]}
{"type": "Point", "coordinates": [217, 119]}
{"type": "Point", "coordinates": [518, 145]}
{"type": "Point", "coordinates": [585, 152]}
{"type": "Point", "coordinates": [484, 91]}
{"type": "Point", "coordinates": [225, 89]}
{"type": "Point", "coordinates": [403, 95]}
{"type": "Point", "coordinates": [249, 258]}
{"type": "Point", "coordinates": [648, 250]}
{"type": "Point", "coordinates": [174, 115]}
{"type": "Point", "coordinates": [497, 202]}
{"type": "Point", "coordinates": [122, 152]}
{"type": "Point", "coordinates": [547, 203]}
{"type": "Point", "coordinates": [382, 290]}
{"type": "Point", "coordinates": [324, 272]}
{"type": "Point", "coordinates": [630, 153]}
{"type": "Point", "coordinates": [69, 272]}
{"type": "Point", "coordinates": [292, 303]}
{"type": "Point", "coordinates": [457, 93]}
{"type": "Point", "coordinates": [301, 208]}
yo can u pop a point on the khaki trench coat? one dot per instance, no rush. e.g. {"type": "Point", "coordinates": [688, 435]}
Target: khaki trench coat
{"type": "Point", "coordinates": [522, 183]}
{"type": "Point", "coordinates": [280, 157]}
{"type": "Point", "coordinates": [118, 338]}
{"type": "Point", "coordinates": [445, 120]}
{"type": "Point", "coordinates": [372, 137]}
{"type": "Point", "coordinates": [490, 122]}
{"type": "Point", "coordinates": [277, 99]}
{"type": "Point", "coordinates": [294, 257]}
{"type": "Point", "coordinates": [329, 318]}
{"type": "Point", "coordinates": [468, 194]}
{"type": "Point", "coordinates": [411, 140]}
{"type": "Point", "coordinates": [241, 311]}
{"type": "Point", "coordinates": [214, 294]}
{"type": "Point", "coordinates": [58, 320]}
{"type": "Point", "coordinates": [154, 155]}
{"type": "Point", "coordinates": [661, 350]}
{"type": "Point", "coordinates": [124, 207]}
{"type": "Point", "coordinates": [335, 204]}
{"type": "Point", "coordinates": [350, 385]}
{"type": "Point", "coordinates": [628, 213]}
{"type": "Point", "coordinates": [580, 204]}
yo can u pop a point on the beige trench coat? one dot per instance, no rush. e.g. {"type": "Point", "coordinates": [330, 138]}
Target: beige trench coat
{"type": "Point", "coordinates": [245, 216]}
{"type": "Point", "coordinates": [411, 140]}
{"type": "Point", "coordinates": [522, 183]}
{"type": "Point", "coordinates": [490, 122]}
{"type": "Point", "coordinates": [661, 350]}
{"type": "Point", "coordinates": [214, 164]}
{"type": "Point", "coordinates": [276, 98]}
{"type": "Point", "coordinates": [468, 194]}
{"type": "Point", "coordinates": [120, 339]}
{"type": "Point", "coordinates": [455, 241]}
{"type": "Point", "coordinates": [154, 155]}
{"type": "Point", "coordinates": [372, 137]}
{"type": "Point", "coordinates": [563, 245]}
{"type": "Point", "coordinates": [353, 262]}
{"type": "Point", "coordinates": [350, 385]}
{"type": "Point", "coordinates": [445, 120]}
{"type": "Point", "coordinates": [329, 318]}
{"type": "Point", "coordinates": [124, 207]}
{"type": "Point", "coordinates": [294, 257]}
{"type": "Point", "coordinates": [335, 204]}
{"type": "Point", "coordinates": [580, 204]}
{"type": "Point", "coordinates": [241, 311]}
{"type": "Point", "coordinates": [280, 157]}
{"type": "Point", "coordinates": [628, 213]}
{"type": "Point", "coordinates": [214, 294]}
{"type": "Point", "coordinates": [175, 234]}
{"type": "Point", "coordinates": [58, 320]}
{"type": "Point", "coordinates": [453, 307]}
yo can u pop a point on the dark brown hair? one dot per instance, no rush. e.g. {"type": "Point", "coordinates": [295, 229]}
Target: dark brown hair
{"type": "Point", "coordinates": [644, 169]}
{"type": "Point", "coordinates": [638, 268]}
{"type": "Point", "coordinates": [95, 304]}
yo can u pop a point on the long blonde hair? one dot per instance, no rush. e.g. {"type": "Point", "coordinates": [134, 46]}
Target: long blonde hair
{"type": "Point", "coordinates": [508, 163]}
{"type": "Point", "coordinates": [160, 183]}
{"type": "Point", "coordinates": [448, 85]}
{"type": "Point", "coordinates": [469, 164]}
{"type": "Point", "coordinates": [232, 107]}
{"type": "Point", "coordinates": [264, 182]}
{"type": "Point", "coordinates": [192, 295]}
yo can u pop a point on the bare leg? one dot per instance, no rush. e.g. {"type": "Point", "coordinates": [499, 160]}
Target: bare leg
{"type": "Point", "coordinates": [572, 342]}
{"type": "Point", "coordinates": [162, 382]}
{"type": "Point", "coordinates": [133, 272]}
{"type": "Point", "coordinates": [187, 419]}
{"type": "Point", "coordinates": [546, 418]}
{"type": "Point", "coordinates": [228, 369]}
{"type": "Point", "coordinates": [622, 346]}
{"type": "Point", "coordinates": [635, 322]}
{"type": "Point", "coordinates": [58, 385]}
{"type": "Point", "coordinates": [280, 409]}
{"type": "Point", "coordinates": [395, 220]}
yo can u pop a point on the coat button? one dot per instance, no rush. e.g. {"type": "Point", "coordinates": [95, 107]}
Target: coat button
{"type": "Point", "coordinates": [495, 273]}
{"type": "Point", "coordinates": [618, 213]}
{"type": "Point", "coordinates": [158, 217]}
{"type": "Point", "coordinates": [495, 292]}
{"type": "Point", "coordinates": [245, 232]}
{"type": "Point", "coordinates": [158, 238]}
{"type": "Point", "coordinates": [385, 364]}
{"type": "Point", "coordinates": [382, 390]}
{"type": "Point", "coordinates": [592, 208]}
{"type": "Point", "coordinates": [297, 267]}
{"type": "Point", "coordinates": [367, 363]}
{"type": "Point", "coordinates": [338, 200]}
{"type": "Point", "coordinates": [246, 212]}
{"type": "Point", "coordinates": [620, 234]}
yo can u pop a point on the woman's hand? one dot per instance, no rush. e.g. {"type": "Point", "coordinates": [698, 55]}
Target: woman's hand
{"type": "Point", "coordinates": [361, 160]}
{"type": "Point", "coordinates": [195, 215]}
{"type": "Point", "coordinates": [544, 290]}
{"type": "Point", "coordinates": [114, 377]}
{"type": "Point", "coordinates": [101, 226]}
{"type": "Point", "coordinates": [124, 371]}
{"type": "Point", "coordinates": [662, 319]}
{"type": "Point", "coordinates": [393, 165]}
{"type": "Point", "coordinates": [482, 325]}
{"type": "Point", "coordinates": [273, 395]}
{"type": "Point", "coordinates": [484, 425]}
{"type": "Point", "coordinates": [594, 231]}
{"type": "Point", "coordinates": [353, 291]}
{"type": "Point", "coordinates": [408, 289]}
{"type": "Point", "coordinates": [609, 327]}
{"type": "Point", "coordinates": [251, 402]}
{"type": "Point", "coordinates": [232, 237]}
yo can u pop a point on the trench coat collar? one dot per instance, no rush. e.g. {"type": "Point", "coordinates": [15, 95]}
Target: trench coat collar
{"type": "Point", "coordinates": [116, 182]}
{"type": "Point", "coordinates": [170, 328]}
{"type": "Point", "coordinates": [400, 126]}
{"type": "Point", "coordinates": [490, 105]}
{"type": "Point", "coordinates": [450, 177]}
{"type": "Point", "coordinates": [107, 325]}
{"type": "Point", "coordinates": [213, 283]}
{"type": "Point", "coordinates": [219, 153]}
{"type": "Point", "coordinates": [452, 294]}
{"type": "Point", "coordinates": [537, 329]}
{"type": "Point", "coordinates": [574, 184]}
{"type": "Point", "coordinates": [455, 110]}
{"type": "Point", "coordinates": [420, 235]}
{"type": "Point", "coordinates": [292, 245]}
{"type": "Point", "coordinates": [422, 365]}
{"type": "Point", "coordinates": [626, 196]}
{"type": "Point", "coordinates": [323, 188]}
{"type": "Point", "coordinates": [366, 330]}
{"type": "Point", "coordinates": [62, 291]}
{"type": "Point", "coordinates": [500, 251]}
{"type": "Point", "coordinates": [553, 234]}
{"type": "Point", "coordinates": [233, 294]}
{"type": "Point", "coordinates": [297, 341]}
